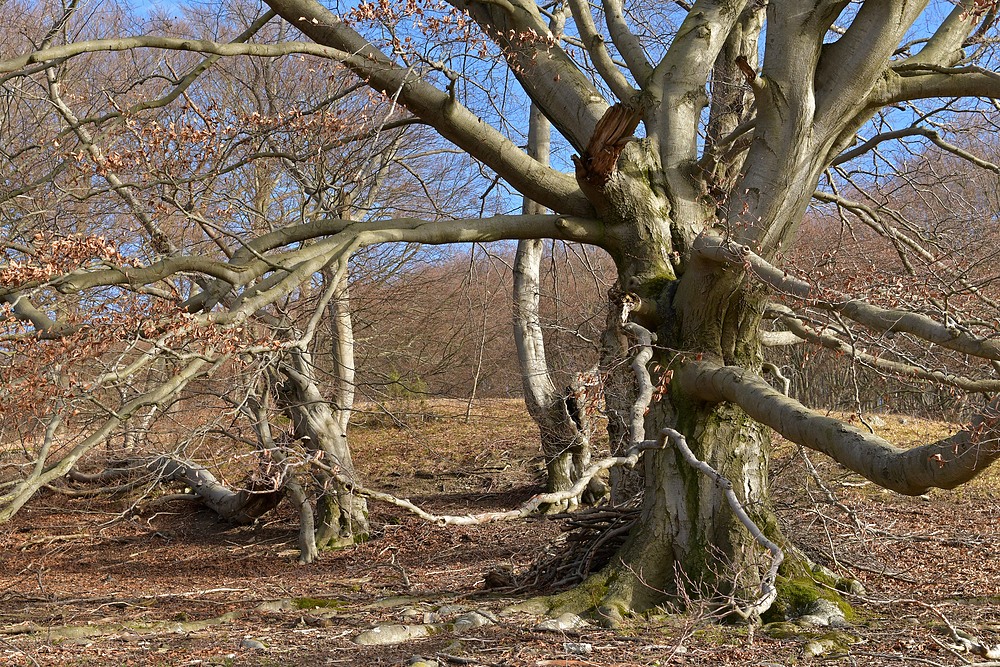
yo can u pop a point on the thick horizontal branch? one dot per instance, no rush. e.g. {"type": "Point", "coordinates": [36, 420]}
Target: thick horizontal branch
{"type": "Point", "coordinates": [251, 263]}
{"type": "Point", "coordinates": [944, 464]}
{"type": "Point", "coordinates": [879, 319]}
{"type": "Point", "coordinates": [920, 81]}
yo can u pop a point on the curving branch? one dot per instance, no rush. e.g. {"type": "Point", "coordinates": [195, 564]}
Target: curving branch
{"type": "Point", "coordinates": [250, 263]}
{"type": "Point", "coordinates": [644, 393]}
{"type": "Point", "coordinates": [11, 502]}
{"type": "Point", "coordinates": [338, 42]}
{"type": "Point", "coordinates": [530, 506]}
{"type": "Point", "coordinates": [944, 464]}
{"type": "Point", "coordinates": [827, 339]}
{"type": "Point", "coordinates": [921, 81]}
{"type": "Point", "coordinates": [714, 248]}
{"type": "Point", "coordinates": [934, 137]}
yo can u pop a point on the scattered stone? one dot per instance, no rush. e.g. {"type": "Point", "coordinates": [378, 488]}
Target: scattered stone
{"type": "Point", "coordinates": [383, 635]}
{"type": "Point", "coordinates": [610, 617]}
{"type": "Point", "coordinates": [471, 620]}
{"type": "Point", "coordinates": [314, 621]}
{"type": "Point", "coordinates": [446, 609]}
{"type": "Point", "coordinates": [562, 623]}
{"type": "Point", "coordinates": [420, 661]}
{"type": "Point", "coordinates": [252, 644]}
{"type": "Point", "coordinates": [578, 648]}
{"type": "Point", "coordinates": [826, 613]}
{"type": "Point", "coordinates": [416, 616]}
{"type": "Point", "coordinates": [818, 647]}
{"type": "Point", "coordinates": [851, 586]}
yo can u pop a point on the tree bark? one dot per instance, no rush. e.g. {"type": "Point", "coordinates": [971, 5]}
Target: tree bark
{"type": "Point", "coordinates": [562, 415]}
{"type": "Point", "coordinates": [341, 517]}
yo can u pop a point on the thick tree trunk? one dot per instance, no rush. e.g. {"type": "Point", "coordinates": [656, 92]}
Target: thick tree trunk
{"type": "Point", "coordinates": [688, 543]}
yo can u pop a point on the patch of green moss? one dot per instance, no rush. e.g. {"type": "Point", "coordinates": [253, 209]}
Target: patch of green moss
{"type": "Point", "coordinates": [314, 603]}
{"type": "Point", "coordinates": [797, 594]}
{"type": "Point", "coordinates": [586, 596]}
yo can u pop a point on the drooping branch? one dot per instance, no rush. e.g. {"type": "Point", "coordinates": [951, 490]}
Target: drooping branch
{"type": "Point", "coordinates": [944, 464]}
{"type": "Point", "coordinates": [831, 341]}
{"type": "Point", "coordinates": [768, 591]}
{"type": "Point", "coordinates": [714, 248]}
{"type": "Point", "coordinates": [165, 391]}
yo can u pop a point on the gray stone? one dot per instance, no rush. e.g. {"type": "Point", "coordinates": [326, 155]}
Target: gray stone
{"type": "Point", "coordinates": [420, 661]}
{"type": "Point", "coordinates": [578, 648]}
{"type": "Point", "coordinates": [811, 619]}
{"type": "Point", "coordinates": [382, 635]}
{"type": "Point", "coordinates": [562, 623]}
{"type": "Point", "coordinates": [827, 612]}
{"type": "Point", "coordinates": [446, 609]}
{"type": "Point", "coordinates": [252, 644]}
{"type": "Point", "coordinates": [470, 620]}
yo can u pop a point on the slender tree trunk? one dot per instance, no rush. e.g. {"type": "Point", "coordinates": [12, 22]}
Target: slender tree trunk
{"type": "Point", "coordinates": [341, 517]}
{"type": "Point", "coordinates": [562, 415]}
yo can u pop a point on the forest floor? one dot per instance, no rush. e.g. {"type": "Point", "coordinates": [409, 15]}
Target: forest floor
{"type": "Point", "coordinates": [97, 581]}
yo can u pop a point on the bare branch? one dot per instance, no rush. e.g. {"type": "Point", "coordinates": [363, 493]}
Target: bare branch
{"type": "Point", "coordinates": [626, 42]}
{"type": "Point", "coordinates": [594, 43]}
{"type": "Point", "coordinates": [880, 319]}
{"type": "Point", "coordinates": [830, 341]}
{"type": "Point", "coordinates": [629, 459]}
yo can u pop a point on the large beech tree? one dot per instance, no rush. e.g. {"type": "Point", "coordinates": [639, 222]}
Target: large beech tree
{"type": "Point", "coordinates": [702, 132]}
